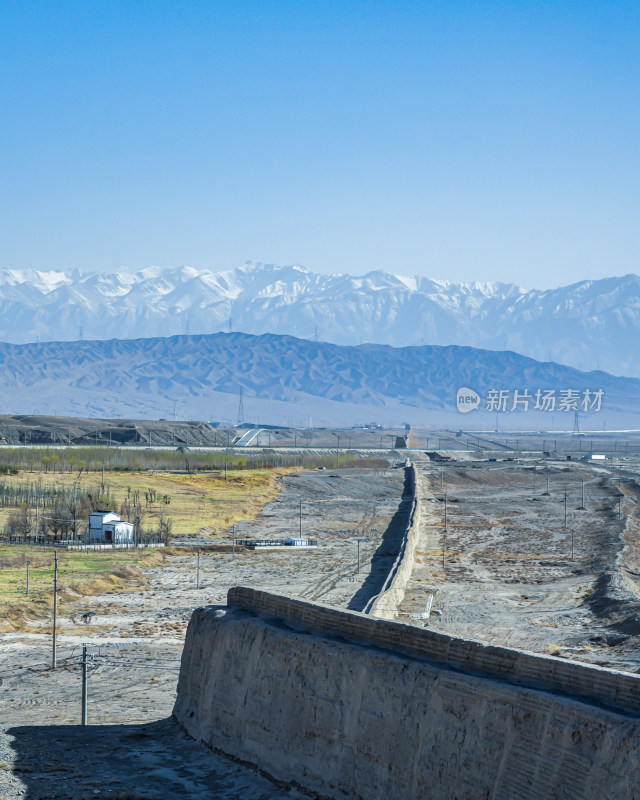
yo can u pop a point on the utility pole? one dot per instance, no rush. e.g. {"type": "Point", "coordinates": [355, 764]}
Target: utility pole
{"type": "Point", "coordinates": [28, 562]}
{"type": "Point", "coordinates": [84, 684]}
{"type": "Point", "coordinates": [358, 563]}
{"type": "Point", "coordinates": [241, 407]}
{"type": "Point", "coordinates": [198, 571]}
{"type": "Point", "coordinates": [546, 494]}
{"type": "Point", "coordinates": [572, 543]}
{"type": "Point", "coordinates": [233, 557]}
{"type": "Point", "coordinates": [444, 535]}
{"type": "Point", "coordinates": [565, 507]}
{"type": "Point", "coordinates": [582, 508]}
{"type": "Point", "coordinates": [301, 519]}
{"type": "Point", "coordinates": [444, 548]}
{"type": "Point", "coordinates": [55, 607]}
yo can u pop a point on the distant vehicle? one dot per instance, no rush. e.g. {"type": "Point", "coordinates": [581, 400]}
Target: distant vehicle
{"type": "Point", "coordinates": [594, 457]}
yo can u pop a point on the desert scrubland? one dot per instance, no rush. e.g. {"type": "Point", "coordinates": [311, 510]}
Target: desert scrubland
{"type": "Point", "coordinates": [509, 577]}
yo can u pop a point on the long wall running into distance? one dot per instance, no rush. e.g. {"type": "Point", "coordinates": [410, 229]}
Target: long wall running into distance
{"type": "Point", "coordinates": [386, 603]}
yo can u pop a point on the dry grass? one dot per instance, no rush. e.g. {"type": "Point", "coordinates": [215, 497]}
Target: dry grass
{"type": "Point", "coordinates": [79, 574]}
{"type": "Point", "coordinates": [198, 500]}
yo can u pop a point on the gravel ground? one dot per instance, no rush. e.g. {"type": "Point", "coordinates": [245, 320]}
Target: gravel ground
{"type": "Point", "coordinates": [509, 577]}
{"type": "Point", "coordinates": [124, 762]}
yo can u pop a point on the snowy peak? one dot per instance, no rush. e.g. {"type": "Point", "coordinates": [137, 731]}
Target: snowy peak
{"type": "Point", "coordinates": [587, 325]}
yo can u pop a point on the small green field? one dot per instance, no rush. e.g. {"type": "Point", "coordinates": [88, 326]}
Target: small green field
{"type": "Point", "coordinates": [79, 574]}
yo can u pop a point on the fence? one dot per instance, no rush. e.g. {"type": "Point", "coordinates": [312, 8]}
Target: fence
{"type": "Point", "coordinates": [257, 543]}
{"type": "Point", "coordinates": [78, 544]}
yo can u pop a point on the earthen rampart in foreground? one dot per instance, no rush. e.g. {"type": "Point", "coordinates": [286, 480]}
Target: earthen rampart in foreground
{"type": "Point", "coordinates": [345, 705]}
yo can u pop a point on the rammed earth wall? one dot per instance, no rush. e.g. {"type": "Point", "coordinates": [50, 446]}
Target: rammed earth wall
{"type": "Point", "coordinates": [386, 603]}
{"type": "Point", "coordinates": [346, 705]}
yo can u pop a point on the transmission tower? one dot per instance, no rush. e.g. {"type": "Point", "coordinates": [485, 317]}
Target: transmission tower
{"type": "Point", "coordinates": [240, 409]}
{"type": "Point", "coordinates": [230, 324]}
{"type": "Point", "coordinates": [576, 422]}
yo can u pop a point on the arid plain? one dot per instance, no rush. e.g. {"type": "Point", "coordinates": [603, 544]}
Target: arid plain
{"type": "Point", "coordinates": [515, 565]}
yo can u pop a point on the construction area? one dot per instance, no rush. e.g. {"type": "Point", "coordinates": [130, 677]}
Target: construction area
{"type": "Point", "coordinates": [522, 548]}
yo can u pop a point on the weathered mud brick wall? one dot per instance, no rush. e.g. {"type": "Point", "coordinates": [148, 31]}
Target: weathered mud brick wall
{"type": "Point", "coordinates": [386, 603]}
{"type": "Point", "coordinates": [348, 706]}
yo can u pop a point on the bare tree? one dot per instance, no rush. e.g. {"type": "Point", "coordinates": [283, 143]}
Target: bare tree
{"type": "Point", "coordinates": [166, 526]}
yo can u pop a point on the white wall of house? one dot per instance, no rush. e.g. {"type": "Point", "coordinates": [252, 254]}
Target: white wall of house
{"type": "Point", "coordinates": [105, 526]}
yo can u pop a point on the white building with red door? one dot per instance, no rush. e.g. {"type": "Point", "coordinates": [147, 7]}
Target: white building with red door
{"type": "Point", "coordinates": [107, 527]}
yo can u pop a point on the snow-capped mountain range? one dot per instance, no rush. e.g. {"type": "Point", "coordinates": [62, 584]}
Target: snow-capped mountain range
{"type": "Point", "coordinates": [588, 325]}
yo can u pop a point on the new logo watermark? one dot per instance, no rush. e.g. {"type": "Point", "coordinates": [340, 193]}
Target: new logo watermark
{"type": "Point", "coordinates": [467, 400]}
{"type": "Point", "coordinates": [547, 400]}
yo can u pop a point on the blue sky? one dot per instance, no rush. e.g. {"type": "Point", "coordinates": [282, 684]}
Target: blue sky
{"type": "Point", "coordinates": [460, 140]}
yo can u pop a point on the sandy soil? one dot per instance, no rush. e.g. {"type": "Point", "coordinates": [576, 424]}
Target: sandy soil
{"type": "Point", "coordinates": [136, 643]}
{"type": "Point", "coordinates": [509, 577]}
